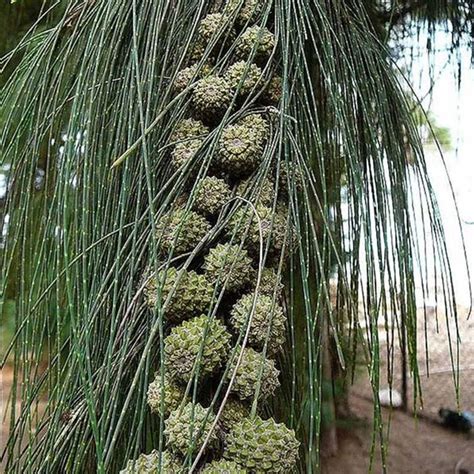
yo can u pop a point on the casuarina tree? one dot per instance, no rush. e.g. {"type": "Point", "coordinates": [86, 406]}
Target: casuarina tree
{"type": "Point", "coordinates": [186, 179]}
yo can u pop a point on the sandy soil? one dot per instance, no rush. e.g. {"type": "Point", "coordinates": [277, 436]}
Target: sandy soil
{"type": "Point", "coordinates": [415, 446]}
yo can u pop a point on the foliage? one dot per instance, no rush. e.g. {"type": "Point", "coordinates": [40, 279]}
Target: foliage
{"type": "Point", "coordinates": [103, 79]}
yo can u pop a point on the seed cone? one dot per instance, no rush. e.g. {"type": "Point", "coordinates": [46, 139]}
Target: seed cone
{"type": "Point", "coordinates": [187, 429]}
{"type": "Point", "coordinates": [254, 370]}
{"type": "Point", "coordinates": [211, 98]}
{"type": "Point", "coordinates": [185, 78]}
{"type": "Point", "coordinates": [257, 125]}
{"type": "Point", "coordinates": [183, 154]}
{"type": "Point", "coordinates": [192, 295]}
{"type": "Point", "coordinates": [150, 463]}
{"type": "Point", "coordinates": [181, 231]}
{"type": "Point", "coordinates": [200, 339]}
{"type": "Point", "coordinates": [234, 411]}
{"type": "Point", "coordinates": [248, 12]}
{"type": "Point", "coordinates": [244, 77]}
{"type": "Point", "coordinates": [270, 284]}
{"type": "Point", "coordinates": [262, 193]}
{"type": "Point", "coordinates": [268, 325]}
{"type": "Point", "coordinates": [212, 193]}
{"type": "Point", "coordinates": [168, 393]}
{"type": "Point", "coordinates": [230, 265]}
{"type": "Point", "coordinates": [255, 40]}
{"type": "Point", "coordinates": [273, 91]}
{"type": "Point", "coordinates": [212, 25]}
{"type": "Point", "coordinates": [262, 446]}
{"type": "Point", "coordinates": [188, 128]}
{"type": "Point", "coordinates": [289, 176]}
{"type": "Point", "coordinates": [240, 151]}
{"type": "Point", "coordinates": [223, 467]}
{"type": "Point", "coordinates": [245, 224]}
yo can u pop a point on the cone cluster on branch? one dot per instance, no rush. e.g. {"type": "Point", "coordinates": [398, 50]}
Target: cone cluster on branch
{"type": "Point", "coordinates": [223, 315]}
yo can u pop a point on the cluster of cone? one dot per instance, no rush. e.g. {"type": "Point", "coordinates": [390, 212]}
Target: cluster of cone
{"type": "Point", "coordinates": [203, 347]}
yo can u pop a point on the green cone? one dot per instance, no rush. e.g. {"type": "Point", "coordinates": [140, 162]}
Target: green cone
{"type": "Point", "coordinates": [240, 151]}
{"type": "Point", "coordinates": [230, 265]}
{"type": "Point", "coordinates": [262, 446]}
{"type": "Point", "coordinates": [223, 467]}
{"type": "Point", "coordinates": [212, 193]}
{"type": "Point", "coordinates": [258, 37]}
{"type": "Point", "coordinates": [262, 193]}
{"type": "Point", "coordinates": [185, 342]}
{"type": "Point", "coordinates": [169, 394]}
{"type": "Point", "coordinates": [247, 11]}
{"type": "Point", "coordinates": [268, 324]}
{"type": "Point", "coordinates": [187, 129]}
{"type": "Point", "coordinates": [192, 296]}
{"type": "Point", "coordinates": [234, 411]}
{"type": "Point", "coordinates": [149, 464]}
{"type": "Point", "coordinates": [244, 77]}
{"type": "Point", "coordinates": [211, 98]}
{"type": "Point", "coordinates": [187, 429]}
{"type": "Point", "coordinates": [273, 226]}
{"type": "Point", "coordinates": [250, 374]}
{"type": "Point", "coordinates": [181, 230]}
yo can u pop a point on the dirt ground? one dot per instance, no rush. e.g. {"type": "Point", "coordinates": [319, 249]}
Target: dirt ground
{"type": "Point", "coordinates": [415, 446]}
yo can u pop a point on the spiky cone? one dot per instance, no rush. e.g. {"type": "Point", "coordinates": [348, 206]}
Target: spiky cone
{"type": "Point", "coordinates": [234, 411]}
{"type": "Point", "coordinates": [229, 265]}
{"type": "Point", "coordinates": [187, 129]}
{"type": "Point", "coordinates": [244, 78]}
{"type": "Point", "coordinates": [163, 398]}
{"type": "Point", "coordinates": [257, 43]}
{"type": "Point", "coordinates": [199, 346]}
{"type": "Point", "coordinates": [181, 231]}
{"type": "Point", "coordinates": [245, 225]}
{"type": "Point", "coordinates": [222, 466]}
{"type": "Point", "coordinates": [262, 446]}
{"type": "Point", "coordinates": [246, 12]}
{"type": "Point", "coordinates": [187, 428]}
{"type": "Point", "coordinates": [240, 151]}
{"type": "Point", "coordinates": [190, 75]}
{"type": "Point", "coordinates": [182, 156]}
{"type": "Point", "coordinates": [268, 322]}
{"type": "Point", "coordinates": [260, 192]}
{"type": "Point", "coordinates": [254, 371]}
{"type": "Point", "coordinates": [215, 32]}
{"type": "Point", "coordinates": [215, 27]}
{"type": "Point", "coordinates": [270, 284]}
{"type": "Point", "coordinates": [211, 195]}
{"type": "Point", "coordinates": [289, 177]}
{"type": "Point", "coordinates": [258, 125]}
{"type": "Point", "coordinates": [211, 98]}
{"type": "Point", "coordinates": [191, 297]}
{"type": "Point", "coordinates": [273, 91]}
{"type": "Point", "coordinates": [151, 464]}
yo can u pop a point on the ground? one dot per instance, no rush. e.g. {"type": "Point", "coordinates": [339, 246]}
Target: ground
{"type": "Point", "coordinates": [415, 446]}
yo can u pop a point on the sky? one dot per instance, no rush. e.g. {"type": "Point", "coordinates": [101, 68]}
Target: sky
{"type": "Point", "coordinates": [452, 107]}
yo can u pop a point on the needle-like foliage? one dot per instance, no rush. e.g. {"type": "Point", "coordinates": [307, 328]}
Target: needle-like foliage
{"type": "Point", "coordinates": [94, 105]}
